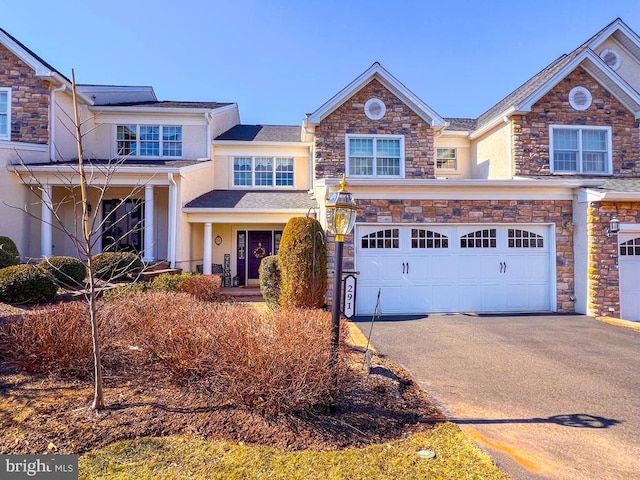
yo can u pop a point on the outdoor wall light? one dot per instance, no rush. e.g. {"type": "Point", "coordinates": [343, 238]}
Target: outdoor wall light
{"type": "Point", "coordinates": [614, 226]}
{"type": "Point", "coordinates": [341, 217]}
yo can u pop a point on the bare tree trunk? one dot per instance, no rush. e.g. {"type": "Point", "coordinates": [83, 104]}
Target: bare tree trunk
{"type": "Point", "coordinates": [98, 394]}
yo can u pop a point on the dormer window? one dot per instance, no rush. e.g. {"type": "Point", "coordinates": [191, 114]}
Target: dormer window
{"type": "Point", "coordinates": [5, 114]}
{"type": "Point", "coordinates": [149, 141]}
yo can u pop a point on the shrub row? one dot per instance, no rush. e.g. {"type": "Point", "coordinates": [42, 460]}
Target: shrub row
{"type": "Point", "coordinates": [203, 287]}
{"type": "Point", "coordinates": [9, 254]}
{"type": "Point", "coordinates": [273, 362]}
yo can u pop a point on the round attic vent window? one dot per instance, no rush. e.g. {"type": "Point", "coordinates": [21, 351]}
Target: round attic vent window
{"type": "Point", "coordinates": [375, 109]}
{"type": "Point", "coordinates": [611, 57]}
{"type": "Point", "coordinates": [580, 98]}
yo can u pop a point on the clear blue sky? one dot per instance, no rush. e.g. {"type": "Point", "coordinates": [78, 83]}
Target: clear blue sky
{"type": "Point", "coordinates": [281, 59]}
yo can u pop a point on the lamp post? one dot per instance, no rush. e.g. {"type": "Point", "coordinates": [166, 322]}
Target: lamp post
{"type": "Point", "coordinates": [341, 217]}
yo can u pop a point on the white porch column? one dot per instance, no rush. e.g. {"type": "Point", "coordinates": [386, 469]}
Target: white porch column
{"type": "Point", "coordinates": [149, 240]}
{"type": "Point", "coordinates": [46, 222]}
{"type": "Point", "coordinates": [208, 233]}
{"type": "Point", "coordinates": [172, 222]}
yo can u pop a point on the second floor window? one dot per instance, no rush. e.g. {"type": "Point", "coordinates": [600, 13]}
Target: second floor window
{"type": "Point", "coordinates": [375, 155]}
{"type": "Point", "coordinates": [262, 172]}
{"type": "Point", "coordinates": [5, 113]}
{"type": "Point", "coordinates": [446, 158]}
{"type": "Point", "coordinates": [153, 141]}
{"type": "Point", "coordinates": [580, 149]}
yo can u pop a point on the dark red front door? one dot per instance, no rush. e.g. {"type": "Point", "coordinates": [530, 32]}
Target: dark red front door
{"type": "Point", "coordinates": [259, 247]}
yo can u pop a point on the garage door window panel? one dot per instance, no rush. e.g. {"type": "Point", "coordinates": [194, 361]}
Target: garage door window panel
{"type": "Point", "coordinates": [630, 247]}
{"type": "Point", "coordinates": [421, 238]}
{"type": "Point", "coordinates": [383, 239]}
{"type": "Point", "coordinates": [479, 239]}
{"type": "Point", "coordinates": [524, 239]}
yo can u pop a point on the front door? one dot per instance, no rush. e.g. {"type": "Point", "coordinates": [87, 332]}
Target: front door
{"type": "Point", "coordinates": [122, 225]}
{"type": "Point", "coordinates": [259, 247]}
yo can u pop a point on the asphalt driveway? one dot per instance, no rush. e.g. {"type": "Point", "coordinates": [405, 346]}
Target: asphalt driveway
{"type": "Point", "coordinates": [545, 396]}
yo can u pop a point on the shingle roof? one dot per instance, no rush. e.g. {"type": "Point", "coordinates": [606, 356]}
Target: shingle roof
{"type": "Point", "coordinates": [170, 104]}
{"type": "Point", "coordinates": [254, 199]}
{"type": "Point", "coordinates": [622, 185]}
{"type": "Point", "coordinates": [461, 123]}
{"type": "Point", "coordinates": [127, 162]}
{"type": "Point", "coordinates": [262, 133]}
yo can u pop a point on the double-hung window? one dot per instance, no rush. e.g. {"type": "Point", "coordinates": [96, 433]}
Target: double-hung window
{"type": "Point", "coordinates": [5, 114]}
{"type": "Point", "coordinates": [446, 158]}
{"type": "Point", "coordinates": [262, 172]}
{"type": "Point", "coordinates": [580, 149]}
{"type": "Point", "coordinates": [152, 141]}
{"type": "Point", "coordinates": [375, 155]}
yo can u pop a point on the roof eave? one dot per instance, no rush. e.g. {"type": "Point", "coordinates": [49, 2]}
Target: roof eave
{"type": "Point", "coordinates": [261, 143]}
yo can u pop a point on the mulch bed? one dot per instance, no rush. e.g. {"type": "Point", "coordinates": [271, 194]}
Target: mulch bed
{"type": "Point", "coordinates": [41, 413]}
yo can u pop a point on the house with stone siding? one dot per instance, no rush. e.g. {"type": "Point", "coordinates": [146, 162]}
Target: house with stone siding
{"type": "Point", "coordinates": [507, 212]}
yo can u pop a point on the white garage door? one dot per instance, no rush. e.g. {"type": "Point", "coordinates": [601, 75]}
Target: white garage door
{"type": "Point", "coordinates": [629, 265]}
{"type": "Point", "coordinates": [442, 268]}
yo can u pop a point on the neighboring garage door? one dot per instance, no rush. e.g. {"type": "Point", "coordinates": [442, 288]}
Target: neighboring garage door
{"type": "Point", "coordinates": [629, 269]}
{"type": "Point", "coordinates": [463, 268]}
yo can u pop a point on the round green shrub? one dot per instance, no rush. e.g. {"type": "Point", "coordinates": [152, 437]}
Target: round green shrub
{"type": "Point", "coordinates": [9, 254]}
{"type": "Point", "coordinates": [168, 282]}
{"type": "Point", "coordinates": [116, 265]}
{"type": "Point", "coordinates": [304, 277]}
{"type": "Point", "coordinates": [26, 284]}
{"type": "Point", "coordinates": [69, 272]}
{"type": "Point", "coordinates": [125, 290]}
{"type": "Point", "coordinates": [270, 280]}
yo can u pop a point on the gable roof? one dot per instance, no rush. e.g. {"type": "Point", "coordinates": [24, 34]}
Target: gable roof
{"type": "Point", "coordinates": [378, 72]}
{"type": "Point", "coordinates": [522, 98]}
{"type": "Point", "coordinates": [262, 133]}
{"type": "Point", "coordinates": [40, 67]}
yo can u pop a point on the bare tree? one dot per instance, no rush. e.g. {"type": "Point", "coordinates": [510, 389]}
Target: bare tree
{"type": "Point", "coordinates": [88, 226]}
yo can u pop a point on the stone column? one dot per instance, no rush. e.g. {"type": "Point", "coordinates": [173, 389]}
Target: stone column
{"type": "Point", "coordinates": [46, 222]}
{"type": "Point", "coordinates": [208, 234]}
{"type": "Point", "coordinates": [149, 240]}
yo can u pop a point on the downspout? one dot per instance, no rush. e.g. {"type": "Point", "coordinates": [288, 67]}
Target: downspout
{"type": "Point", "coordinates": [52, 123]}
{"type": "Point", "coordinates": [209, 118]}
{"type": "Point", "coordinates": [173, 195]}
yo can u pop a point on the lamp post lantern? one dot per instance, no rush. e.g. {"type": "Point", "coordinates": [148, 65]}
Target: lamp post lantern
{"type": "Point", "coordinates": [341, 217]}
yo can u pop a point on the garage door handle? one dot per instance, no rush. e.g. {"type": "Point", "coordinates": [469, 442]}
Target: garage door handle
{"type": "Point", "coordinates": [403, 268]}
{"type": "Point", "coordinates": [501, 267]}
{"type": "Point", "coordinates": [407, 267]}
{"type": "Point", "coordinates": [505, 267]}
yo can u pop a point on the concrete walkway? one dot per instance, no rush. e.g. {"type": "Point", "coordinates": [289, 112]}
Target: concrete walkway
{"type": "Point", "coordinates": [546, 396]}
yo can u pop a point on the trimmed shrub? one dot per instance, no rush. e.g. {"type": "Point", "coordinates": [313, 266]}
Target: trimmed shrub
{"type": "Point", "coordinates": [168, 282]}
{"type": "Point", "coordinates": [116, 265]}
{"type": "Point", "coordinates": [125, 290]}
{"type": "Point", "coordinates": [270, 280]}
{"type": "Point", "coordinates": [26, 284]}
{"type": "Point", "coordinates": [9, 254]}
{"type": "Point", "coordinates": [204, 287]}
{"type": "Point", "coordinates": [69, 272]}
{"type": "Point", "coordinates": [304, 278]}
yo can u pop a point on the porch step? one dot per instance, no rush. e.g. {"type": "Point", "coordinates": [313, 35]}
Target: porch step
{"type": "Point", "coordinates": [240, 294]}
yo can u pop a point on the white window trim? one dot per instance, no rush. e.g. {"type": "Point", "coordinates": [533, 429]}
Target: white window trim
{"type": "Point", "coordinates": [253, 173]}
{"type": "Point", "coordinates": [374, 137]}
{"type": "Point", "coordinates": [8, 135]}
{"type": "Point", "coordinates": [446, 169]}
{"type": "Point", "coordinates": [609, 159]}
{"type": "Point", "coordinates": [138, 141]}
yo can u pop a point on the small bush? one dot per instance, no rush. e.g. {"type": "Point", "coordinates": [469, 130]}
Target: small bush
{"type": "Point", "coordinates": [69, 272]}
{"type": "Point", "coordinates": [270, 280]}
{"type": "Point", "coordinates": [125, 290]}
{"type": "Point", "coordinates": [168, 282]}
{"type": "Point", "coordinates": [57, 339]}
{"type": "Point", "coordinates": [26, 284]}
{"type": "Point", "coordinates": [116, 265]}
{"type": "Point", "coordinates": [304, 277]}
{"type": "Point", "coordinates": [9, 254]}
{"type": "Point", "coordinates": [203, 287]}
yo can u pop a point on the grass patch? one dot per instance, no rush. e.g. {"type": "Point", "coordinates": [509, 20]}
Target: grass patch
{"type": "Point", "coordinates": [179, 457]}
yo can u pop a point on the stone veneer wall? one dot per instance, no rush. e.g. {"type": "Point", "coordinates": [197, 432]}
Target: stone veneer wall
{"type": "Point", "coordinates": [531, 131]}
{"type": "Point", "coordinates": [29, 99]}
{"type": "Point", "coordinates": [478, 212]}
{"type": "Point", "coordinates": [398, 120]}
{"type": "Point", "coordinates": [603, 283]}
